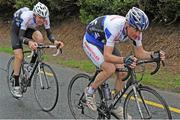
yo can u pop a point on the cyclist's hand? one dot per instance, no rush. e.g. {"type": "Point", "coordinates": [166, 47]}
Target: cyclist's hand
{"type": "Point", "coordinates": [59, 42]}
{"type": "Point", "coordinates": [130, 61]}
{"type": "Point", "coordinates": [158, 55]}
{"type": "Point", "coordinates": [162, 55]}
{"type": "Point", "coordinates": [32, 45]}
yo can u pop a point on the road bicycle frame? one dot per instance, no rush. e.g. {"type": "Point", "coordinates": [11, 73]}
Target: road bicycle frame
{"type": "Point", "coordinates": [38, 60]}
{"type": "Point", "coordinates": [132, 81]}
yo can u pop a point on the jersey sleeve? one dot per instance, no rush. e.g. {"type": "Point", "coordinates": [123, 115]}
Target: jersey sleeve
{"type": "Point", "coordinates": [47, 23]}
{"type": "Point", "coordinates": [138, 41]}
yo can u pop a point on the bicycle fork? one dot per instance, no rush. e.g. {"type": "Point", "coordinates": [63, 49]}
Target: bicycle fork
{"type": "Point", "coordinates": [138, 100]}
{"type": "Point", "coordinates": [39, 73]}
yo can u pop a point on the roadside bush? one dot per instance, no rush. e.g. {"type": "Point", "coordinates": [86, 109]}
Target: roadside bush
{"type": "Point", "coordinates": [91, 9]}
{"type": "Point", "coordinates": [25, 3]}
{"type": "Point", "coordinates": [166, 11]}
{"type": "Point", "coordinates": [6, 9]}
{"type": "Point", "coordinates": [61, 9]}
{"type": "Point", "coordinates": [162, 10]}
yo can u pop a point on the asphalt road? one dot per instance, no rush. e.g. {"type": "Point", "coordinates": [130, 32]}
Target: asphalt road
{"type": "Point", "coordinates": [27, 108]}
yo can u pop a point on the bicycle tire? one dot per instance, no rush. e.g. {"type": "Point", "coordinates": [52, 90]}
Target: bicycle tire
{"type": "Point", "coordinates": [10, 80]}
{"type": "Point", "coordinates": [46, 102]}
{"type": "Point", "coordinates": [76, 98]}
{"type": "Point", "coordinates": [157, 106]}
{"type": "Point", "coordinates": [10, 72]}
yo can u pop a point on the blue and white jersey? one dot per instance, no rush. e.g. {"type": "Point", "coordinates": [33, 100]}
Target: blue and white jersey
{"type": "Point", "coordinates": [25, 18]}
{"type": "Point", "coordinates": [107, 30]}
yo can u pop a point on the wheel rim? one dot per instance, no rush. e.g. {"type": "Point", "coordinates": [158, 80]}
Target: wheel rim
{"type": "Point", "coordinates": [75, 92]}
{"type": "Point", "coordinates": [46, 96]}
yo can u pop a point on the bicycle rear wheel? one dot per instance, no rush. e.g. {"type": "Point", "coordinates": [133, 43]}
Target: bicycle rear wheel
{"type": "Point", "coordinates": [76, 98]}
{"type": "Point", "coordinates": [46, 87]}
{"type": "Point", "coordinates": [152, 105]}
{"type": "Point", "coordinates": [10, 79]}
{"type": "Point", "coordinates": [10, 71]}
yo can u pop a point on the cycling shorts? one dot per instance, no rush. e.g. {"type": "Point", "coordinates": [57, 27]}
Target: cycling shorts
{"type": "Point", "coordinates": [15, 42]}
{"type": "Point", "coordinates": [95, 53]}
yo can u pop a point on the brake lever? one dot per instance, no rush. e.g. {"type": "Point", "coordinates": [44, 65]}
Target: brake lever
{"type": "Point", "coordinates": [157, 67]}
{"type": "Point", "coordinates": [58, 50]}
{"type": "Point", "coordinates": [56, 53]}
{"type": "Point", "coordinates": [163, 63]}
{"type": "Point", "coordinates": [128, 69]}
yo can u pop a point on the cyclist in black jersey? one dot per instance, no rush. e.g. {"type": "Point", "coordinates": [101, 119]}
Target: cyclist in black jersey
{"type": "Point", "coordinates": [25, 30]}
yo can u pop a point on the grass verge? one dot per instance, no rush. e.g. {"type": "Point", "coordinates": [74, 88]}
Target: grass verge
{"type": "Point", "coordinates": [6, 49]}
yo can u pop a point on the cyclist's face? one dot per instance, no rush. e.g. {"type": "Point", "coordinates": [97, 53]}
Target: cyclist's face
{"type": "Point", "coordinates": [132, 32]}
{"type": "Point", "coordinates": [40, 20]}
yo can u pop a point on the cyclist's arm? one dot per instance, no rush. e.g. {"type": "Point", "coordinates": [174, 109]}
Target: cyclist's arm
{"type": "Point", "coordinates": [140, 53]}
{"type": "Point", "coordinates": [109, 57]}
{"type": "Point", "coordinates": [52, 38]}
{"type": "Point", "coordinates": [50, 35]}
{"type": "Point", "coordinates": [22, 38]}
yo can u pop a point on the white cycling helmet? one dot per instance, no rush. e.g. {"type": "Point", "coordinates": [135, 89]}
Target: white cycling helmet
{"type": "Point", "coordinates": [137, 19]}
{"type": "Point", "coordinates": [41, 10]}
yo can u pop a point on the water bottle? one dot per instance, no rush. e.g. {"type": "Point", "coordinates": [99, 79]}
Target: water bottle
{"type": "Point", "coordinates": [28, 68]}
{"type": "Point", "coordinates": [113, 93]}
{"type": "Point", "coordinates": [106, 91]}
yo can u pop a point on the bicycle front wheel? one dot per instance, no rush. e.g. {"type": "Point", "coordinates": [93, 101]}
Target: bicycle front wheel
{"type": "Point", "coordinates": [46, 87]}
{"type": "Point", "coordinates": [76, 98]}
{"type": "Point", "coordinates": [148, 105]}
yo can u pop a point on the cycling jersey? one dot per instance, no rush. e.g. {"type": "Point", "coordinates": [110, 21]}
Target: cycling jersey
{"type": "Point", "coordinates": [25, 18]}
{"type": "Point", "coordinates": [107, 30]}
{"type": "Point", "coordinates": [24, 25]}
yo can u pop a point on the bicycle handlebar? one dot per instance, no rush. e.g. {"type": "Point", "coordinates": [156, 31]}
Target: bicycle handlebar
{"type": "Point", "coordinates": [158, 64]}
{"type": "Point", "coordinates": [42, 46]}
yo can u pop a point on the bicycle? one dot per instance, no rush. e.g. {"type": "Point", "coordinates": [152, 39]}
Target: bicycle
{"type": "Point", "coordinates": [45, 82]}
{"type": "Point", "coordinates": [140, 102]}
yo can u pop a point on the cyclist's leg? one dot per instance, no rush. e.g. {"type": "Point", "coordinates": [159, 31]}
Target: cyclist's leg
{"type": "Point", "coordinates": [18, 54]}
{"type": "Point", "coordinates": [37, 36]}
{"type": "Point", "coordinates": [108, 69]}
{"type": "Point", "coordinates": [120, 75]}
{"type": "Point", "coordinates": [119, 84]}
{"type": "Point", "coordinates": [96, 56]}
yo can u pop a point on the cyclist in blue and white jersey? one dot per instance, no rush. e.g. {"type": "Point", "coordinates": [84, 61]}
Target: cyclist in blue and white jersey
{"type": "Point", "coordinates": [25, 30]}
{"type": "Point", "coordinates": [100, 39]}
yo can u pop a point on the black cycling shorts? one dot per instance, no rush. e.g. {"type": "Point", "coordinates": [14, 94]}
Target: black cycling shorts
{"type": "Point", "coordinates": [15, 42]}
